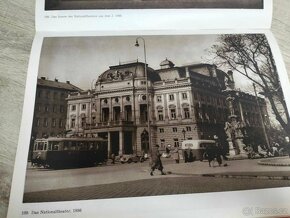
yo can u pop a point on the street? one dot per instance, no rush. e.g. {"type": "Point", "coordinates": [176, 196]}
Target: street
{"type": "Point", "coordinates": [133, 180]}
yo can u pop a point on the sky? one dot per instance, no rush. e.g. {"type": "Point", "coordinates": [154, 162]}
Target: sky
{"type": "Point", "coordinates": [82, 59]}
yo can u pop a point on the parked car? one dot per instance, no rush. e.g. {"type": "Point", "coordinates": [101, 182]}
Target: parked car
{"type": "Point", "coordinates": [129, 158]}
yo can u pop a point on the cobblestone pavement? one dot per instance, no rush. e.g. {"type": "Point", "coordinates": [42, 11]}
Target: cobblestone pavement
{"type": "Point", "coordinates": [153, 187]}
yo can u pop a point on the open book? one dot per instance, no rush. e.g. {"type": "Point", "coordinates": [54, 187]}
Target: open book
{"type": "Point", "coordinates": [154, 108]}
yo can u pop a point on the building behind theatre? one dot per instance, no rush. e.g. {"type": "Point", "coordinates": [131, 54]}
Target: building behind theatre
{"type": "Point", "coordinates": [186, 102]}
{"type": "Point", "coordinates": [50, 108]}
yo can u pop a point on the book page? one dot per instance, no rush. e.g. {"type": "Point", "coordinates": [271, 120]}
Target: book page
{"type": "Point", "coordinates": [98, 104]}
{"type": "Point", "coordinates": [145, 15]}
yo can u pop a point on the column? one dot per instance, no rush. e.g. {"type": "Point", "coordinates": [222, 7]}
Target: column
{"type": "Point", "coordinates": [121, 142]}
{"type": "Point", "coordinates": [137, 110]}
{"type": "Point", "coordinates": [134, 141]}
{"type": "Point", "coordinates": [98, 111]}
{"type": "Point", "coordinates": [178, 106]}
{"type": "Point", "coordinates": [109, 145]}
{"type": "Point", "coordinates": [165, 108]}
{"type": "Point", "coordinates": [77, 117]}
{"type": "Point", "coordinates": [68, 120]}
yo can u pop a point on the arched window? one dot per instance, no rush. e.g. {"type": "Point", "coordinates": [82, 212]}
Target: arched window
{"type": "Point", "coordinates": [185, 111]}
{"type": "Point", "coordinates": [172, 110]}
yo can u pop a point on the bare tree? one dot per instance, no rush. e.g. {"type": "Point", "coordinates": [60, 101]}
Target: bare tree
{"type": "Point", "coordinates": [251, 56]}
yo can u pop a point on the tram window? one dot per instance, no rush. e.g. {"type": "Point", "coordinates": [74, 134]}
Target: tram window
{"type": "Point", "coordinates": [49, 146]}
{"type": "Point", "coordinates": [65, 146]}
{"type": "Point", "coordinates": [55, 147]}
{"type": "Point", "coordinates": [73, 146]}
{"type": "Point", "coordinates": [40, 146]}
{"type": "Point", "coordinates": [45, 146]}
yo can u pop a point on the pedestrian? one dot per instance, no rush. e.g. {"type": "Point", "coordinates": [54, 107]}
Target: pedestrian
{"type": "Point", "coordinates": [176, 155]}
{"type": "Point", "coordinates": [156, 160]}
{"type": "Point", "coordinates": [113, 157]}
{"type": "Point", "coordinates": [220, 147]}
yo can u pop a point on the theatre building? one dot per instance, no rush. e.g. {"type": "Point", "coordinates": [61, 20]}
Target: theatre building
{"type": "Point", "coordinates": [186, 102]}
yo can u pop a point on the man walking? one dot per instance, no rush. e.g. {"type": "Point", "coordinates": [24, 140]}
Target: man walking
{"type": "Point", "coordinates": [156, 160]}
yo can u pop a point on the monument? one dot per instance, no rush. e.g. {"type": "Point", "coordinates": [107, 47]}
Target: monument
{"type": "Point", "coordinates": [234, 126]}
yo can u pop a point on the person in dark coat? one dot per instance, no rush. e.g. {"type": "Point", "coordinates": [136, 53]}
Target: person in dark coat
{"type": "Point", "coordinates": [221, 148]}
{"type": "Point", "coordinates": [212, 152]}
{"type": "Point", "coordinates": [156, 160]}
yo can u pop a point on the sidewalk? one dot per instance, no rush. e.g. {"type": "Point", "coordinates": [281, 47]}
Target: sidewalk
{"type": "Point", "coordinates": [235, 169]}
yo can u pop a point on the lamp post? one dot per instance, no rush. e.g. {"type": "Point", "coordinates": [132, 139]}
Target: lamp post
{"type": "Point", "coordinates": [183, 132]}
{"type": "Point", "coordinates": [147, 91]}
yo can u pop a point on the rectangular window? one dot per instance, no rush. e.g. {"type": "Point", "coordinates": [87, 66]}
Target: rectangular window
{"type": "Point", "coordinates": [55, 95]}
{"type": "Point", "coordinates": [46, 108]}
{"type": "Point", "coordinates": [188, 128]}
{"type": "Point", "coordinates": [38, 107]}
{"type": "Point", "coordinates": [174, 129]}
{"type": "Point", "coordinates": [61, 108]}
{"type": "Point", "coordinates": [45, 122]}
{"type": "Point", "coordinates": [159, 98]}
{"type": "Point", "coordinates": [184, 95]}
{"type": "Point", "coordinates": [173, 114]}
{"type": "Point", "coordinates": [160, 115]}
{"type": "Point", "coordinates": [186, 113]}
{"type": "Point", "coordinates": [54, 108]}
{"type": "Point", "coordinates": [60, 123]}
{"type": "Point", "coordinates": [47, 94]}
{"type": "Point", "coordinates": [171, 97]}
{"type": "Point", "coordinates": [161, 130]}
{"type": "Point", "coordinates": [73, 123]}
{"type": "Point", "coordinates": [73, 107]}
{"type": "Point", "coordinates": [83, 122]}
{"type": "Point", "coordinates": [162, 142]}
{"type": "Point", "coordinates": [53, 123]}
{"type": "Point", "coordinates": [176, 142]}
{"type": "Point", "coordinates": [37, 122]}
{"type": "Point", "coordinates": [84, 106]}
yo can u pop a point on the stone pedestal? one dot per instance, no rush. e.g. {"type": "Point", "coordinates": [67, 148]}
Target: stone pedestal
{"type": "Point", "coordinates": [232, 151]}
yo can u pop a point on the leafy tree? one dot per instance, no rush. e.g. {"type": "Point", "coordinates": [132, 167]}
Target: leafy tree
{"type": "Point", "coordinates": [251, 56]}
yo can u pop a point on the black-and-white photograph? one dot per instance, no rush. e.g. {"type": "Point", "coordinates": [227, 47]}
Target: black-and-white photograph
{"type": "Point", "coordinates": [133, 116]}
{"type": "Point", "coordinates": [150, 4]}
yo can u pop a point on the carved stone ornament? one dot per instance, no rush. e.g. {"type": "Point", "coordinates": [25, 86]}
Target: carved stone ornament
{"type": "Point", "coordinates": [119, 75]}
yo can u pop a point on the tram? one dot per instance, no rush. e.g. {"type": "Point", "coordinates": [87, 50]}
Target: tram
{"type": "Point", "coordinates": [69, 152]}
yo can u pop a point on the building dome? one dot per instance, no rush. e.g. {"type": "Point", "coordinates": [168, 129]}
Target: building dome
{"type": "Point", "coordinates": [166, 64]}
{"type": "Point", "coordinates": [128, 71]}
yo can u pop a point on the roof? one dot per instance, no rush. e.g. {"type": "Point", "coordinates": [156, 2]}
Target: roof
{"type": "Point", "coordinates": [56, 84]}
{"type": "Point", "coordinates": [128, 71]}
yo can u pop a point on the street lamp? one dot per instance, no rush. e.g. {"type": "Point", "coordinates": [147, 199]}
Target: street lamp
{"type": "Point", "coordinates": [183, 132]}
{"type": "Point", "coordinates": [147, 92]}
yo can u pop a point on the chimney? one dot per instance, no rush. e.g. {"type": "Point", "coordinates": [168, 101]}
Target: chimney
{"type": "Point", "coordinates": [43, 78]}
{"type": "Point", "coordinates": [68, 82]}
{"type": "Point", "coordinates": [56, 80]}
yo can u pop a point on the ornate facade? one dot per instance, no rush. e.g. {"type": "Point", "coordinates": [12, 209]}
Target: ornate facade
{"type": "Point", "coordinates": [185, 102]}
